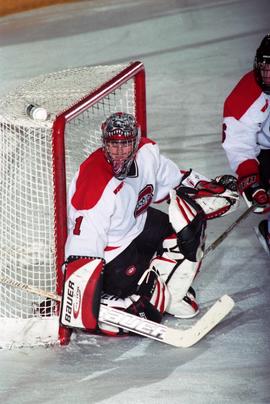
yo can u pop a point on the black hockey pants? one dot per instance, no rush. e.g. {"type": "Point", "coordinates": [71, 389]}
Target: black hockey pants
{"type": "Point", "coordinates": [122, 274]}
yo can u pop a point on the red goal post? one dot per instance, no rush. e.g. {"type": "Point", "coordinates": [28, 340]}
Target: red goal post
{"type": "Point", "coordinates": [38, 160]}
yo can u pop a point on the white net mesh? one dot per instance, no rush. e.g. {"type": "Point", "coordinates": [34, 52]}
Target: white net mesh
{"type": "Point", "coordinates": [27, 228]}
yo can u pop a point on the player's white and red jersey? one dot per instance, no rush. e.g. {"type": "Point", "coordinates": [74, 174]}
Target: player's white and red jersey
{"type": "Point", "coordinates": [105, 214]}
{"type": "Point", "coordinates": [246, 125]}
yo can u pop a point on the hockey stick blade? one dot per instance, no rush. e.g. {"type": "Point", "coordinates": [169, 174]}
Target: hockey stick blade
{"type": "Point", "coordinates": [138, 325]}
{"type": "Point", "coordinates": [172, 336]}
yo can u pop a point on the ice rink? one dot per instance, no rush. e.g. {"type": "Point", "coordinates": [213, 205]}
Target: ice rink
{"type": "Point", "coordinates": [194, 52]}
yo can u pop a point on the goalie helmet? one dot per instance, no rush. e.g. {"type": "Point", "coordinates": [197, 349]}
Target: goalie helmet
{"type": "Point", "coordinates": [120, 140]}
{"type": "Point", "coordinates": [262, 64]}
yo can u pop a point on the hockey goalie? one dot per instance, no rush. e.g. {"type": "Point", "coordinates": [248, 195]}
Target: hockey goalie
{"type": "Point", "coordinates": [121, 251]}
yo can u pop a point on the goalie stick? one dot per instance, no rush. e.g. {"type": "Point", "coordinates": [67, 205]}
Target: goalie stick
{"type": "Point", "coordinates": [160, 332]}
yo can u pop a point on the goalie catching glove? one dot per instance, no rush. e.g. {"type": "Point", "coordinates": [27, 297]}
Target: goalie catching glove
{"type": "Point", "coordinates": [81, 292]}
{"type": "Point", "coordinates": [217, 197]}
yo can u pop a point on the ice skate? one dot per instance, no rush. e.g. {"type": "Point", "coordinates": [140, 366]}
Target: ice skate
{"type": "Point", "coordinates": [188, 307]}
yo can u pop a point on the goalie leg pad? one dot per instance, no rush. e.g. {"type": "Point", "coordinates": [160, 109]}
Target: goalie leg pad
{"type": "Point", "coordinates": [178, 275]}
{"type": "Point", "coordinates": [81, 293]}
{"type": "Point", "coordinates": [189, 222]}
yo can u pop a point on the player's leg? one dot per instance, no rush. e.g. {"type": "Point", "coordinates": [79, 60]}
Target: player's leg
{"type": "Point", "coordinates": [179, 259]}
{"type": "Point", "coordinates": [166, 284]}
{"type": "Point", "coordinates": [263, 230]}
{"type": "Point", "coordinates": [130, 282]}
{"type": "Point", "coordinates": [175, 252]}
{"type": "Point", "coordinates": [121, 275]}
{"type": "Point", "coordinates": [160, 239]}
{"type": "Point", "coordinates": [131, 286]}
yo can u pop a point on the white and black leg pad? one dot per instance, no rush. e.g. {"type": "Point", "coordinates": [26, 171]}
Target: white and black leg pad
{"type": "Point", "coordinates": [81, 292]}
{"type": "Point", "coordinates": [178, 276]}
{"type": "Point", "coordinates": [189, 223]}
{"type": "Point", "coordinates": [153, 287]}
{"type": "Point", "coordinates": [178, 284]}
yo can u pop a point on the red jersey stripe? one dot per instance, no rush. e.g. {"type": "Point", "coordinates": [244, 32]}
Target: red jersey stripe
{"type": "Point", "coordinates": [242, 97]}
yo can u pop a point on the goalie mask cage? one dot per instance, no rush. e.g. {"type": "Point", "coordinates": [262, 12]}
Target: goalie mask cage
{"type": "Point", "coordinates": [37, 161]}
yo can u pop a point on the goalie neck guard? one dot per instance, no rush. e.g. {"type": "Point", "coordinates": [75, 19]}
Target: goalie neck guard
{"type": "Point", "coordinates": [120, 139]}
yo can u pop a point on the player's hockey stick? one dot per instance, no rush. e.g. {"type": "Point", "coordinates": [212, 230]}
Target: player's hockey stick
{"type": "Point", "coordinates": [172, 336]}
{"type": "Point", "coordinates": [224, 235]}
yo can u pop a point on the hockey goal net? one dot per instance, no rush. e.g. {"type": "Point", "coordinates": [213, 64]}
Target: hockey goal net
{"type": "Point", "coordinates": [37, 161]}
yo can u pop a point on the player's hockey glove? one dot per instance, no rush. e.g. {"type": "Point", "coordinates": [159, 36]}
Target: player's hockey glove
{"type": "Point", "coordinates": [253, 191]}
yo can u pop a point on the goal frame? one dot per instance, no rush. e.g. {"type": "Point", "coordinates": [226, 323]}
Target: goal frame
{"type": "Point", "coordinates": [39, 158]}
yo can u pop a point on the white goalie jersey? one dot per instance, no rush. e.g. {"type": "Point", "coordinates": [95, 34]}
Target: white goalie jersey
{"type": "Point", "coordinates": [106, 214]}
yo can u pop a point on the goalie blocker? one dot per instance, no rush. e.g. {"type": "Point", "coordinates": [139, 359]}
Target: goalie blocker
{"type": "Point", "coordinates": [81, 292]}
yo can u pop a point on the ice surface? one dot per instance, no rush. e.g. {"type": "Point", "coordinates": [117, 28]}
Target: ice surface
{"type": "Point", "coordinates": [194, 52]}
